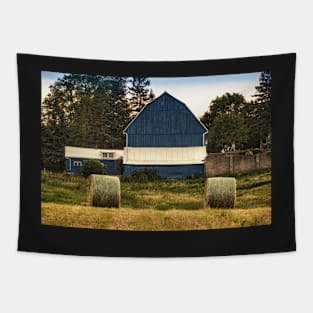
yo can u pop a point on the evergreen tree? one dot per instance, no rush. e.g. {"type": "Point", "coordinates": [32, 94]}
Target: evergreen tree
{"type": "Point", "coordinates": [151, 95]}
{"type": "Point", "coordinates": [55, 113]}
{"type": "Point", "coordinates": [260, 111]}
{"type": "Point", "coordinates": [83, 110]}
{"type": "Point", "coordinates": [264, 89]}
{"type": "Point", "coordinates": [139, 93]}
{"type": "Point", "coordinates": [52, 146]}
{"type": "Point", "coordinates": [120, 111]}
{"type": "Point", "coordinates": [89, 125]}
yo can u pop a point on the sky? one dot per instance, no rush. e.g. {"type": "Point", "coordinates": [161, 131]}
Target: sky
{"type": "Point", "coordinates": [196, 92]}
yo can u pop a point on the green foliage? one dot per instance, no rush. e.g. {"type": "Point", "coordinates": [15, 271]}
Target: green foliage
{"type": "Point", "coordinates": [52, 147]}
{"type": "Point", "coordinates": [143, 176]}
{"type": "Point", "coordinates": [63, 188]}
{"type": "Point", "coordinates": [227, 129]}
{"type": "Point", "coordinates": [227, 103]}
{"type": "Point", "coordinates": [83, 110]}
{"type": "Point", "coordinates": [251, 151]}
{"type": "Point", "coordinates": [253, 191]}
{"type": "Point", "coordinates": [264, 90]}
{"type": "Point", "coordinates": [139, 92]}
{"type": "Point", "coordinates": [256, 115]}
{"type": "Point", "coordinates": [119, 112]}
{"type": "Point", "coordinates": [159, 205]}
{"type": "Point", "coordinates": [88, 127]}
{"type": "Point", "coordinates": [92, 167]}
{"type": "Point", "coordinates": [225, 122]}
{"type": "Point", "coordinates": [248, 152]}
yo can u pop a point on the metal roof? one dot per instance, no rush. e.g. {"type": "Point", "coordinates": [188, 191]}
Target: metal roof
{"type": "Point", "coordinates": [166, 102]}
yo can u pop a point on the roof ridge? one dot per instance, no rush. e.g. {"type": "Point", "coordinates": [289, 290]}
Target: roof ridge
{"type": "Point", "coordinates": [165, 93]}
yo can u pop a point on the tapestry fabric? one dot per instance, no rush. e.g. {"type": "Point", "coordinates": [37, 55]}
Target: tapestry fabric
{"type": "Point", "coordinates": [156, 159]}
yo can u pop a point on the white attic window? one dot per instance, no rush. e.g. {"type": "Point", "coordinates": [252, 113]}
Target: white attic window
{"type": "Point", "coordinates": [107, 155]}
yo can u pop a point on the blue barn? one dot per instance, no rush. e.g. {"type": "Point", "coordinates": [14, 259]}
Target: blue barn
{"type": "Point", "coordinates": [75, 156]}
{"type": "Point", "coordinates": [167, 137]}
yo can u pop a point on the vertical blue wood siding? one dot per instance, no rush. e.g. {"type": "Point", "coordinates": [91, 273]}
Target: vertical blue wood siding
{"type": "Point", "coordinates": [167, 171]}
{"type": "Point", "coordinates": [110, 168]}
{"type": "Point", "coordinates": [165, 122]}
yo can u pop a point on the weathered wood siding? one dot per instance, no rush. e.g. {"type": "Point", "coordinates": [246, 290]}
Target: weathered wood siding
{"type": "Point", "coordinates": [165, 122]}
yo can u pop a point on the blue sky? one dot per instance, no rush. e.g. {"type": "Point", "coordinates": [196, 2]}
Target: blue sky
{"type": "Point", "coordinates": [196, 91]}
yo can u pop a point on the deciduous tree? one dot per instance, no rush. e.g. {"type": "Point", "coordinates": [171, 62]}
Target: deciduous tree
{"type": "Point", "coordinates": [226, 130]}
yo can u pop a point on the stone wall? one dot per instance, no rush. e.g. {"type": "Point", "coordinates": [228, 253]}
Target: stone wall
{"type": "Point", "coordinates": [234, 163]}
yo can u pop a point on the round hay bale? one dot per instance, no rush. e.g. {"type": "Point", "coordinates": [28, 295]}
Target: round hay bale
{"type": "Point", "coordinates": [220, 192]}
{"type": "Point", "coordinates": [104, 191]}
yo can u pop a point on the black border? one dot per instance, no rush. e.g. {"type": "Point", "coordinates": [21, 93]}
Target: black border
{"type": "Point", "coordinates": [278, 237]}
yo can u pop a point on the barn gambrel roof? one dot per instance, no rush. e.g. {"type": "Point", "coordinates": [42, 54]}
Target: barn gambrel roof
{"type": "Point", "coordinates": [168, 115]}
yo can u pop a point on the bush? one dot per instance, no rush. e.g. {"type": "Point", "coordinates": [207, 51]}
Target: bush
{"type": "Point", "coordinates": [252, 151]}
{"type": "Point", "coordinates": [198, 175]}
{"type": "Point", "coordinates": [144, 176]}
{"type": "Point", "coordinates": [249, 152]}
{"type": "Point", "coordinates": [92, 167]}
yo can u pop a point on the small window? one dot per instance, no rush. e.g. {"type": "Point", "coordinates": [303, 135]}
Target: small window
{"type": "Point", "coordinates": [107, 155]}
{"type": "Point", "coordinates": [77, 163]}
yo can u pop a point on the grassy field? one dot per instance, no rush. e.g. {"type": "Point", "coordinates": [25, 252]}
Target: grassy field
{"type": "Point", "coordinates": [161, 205]}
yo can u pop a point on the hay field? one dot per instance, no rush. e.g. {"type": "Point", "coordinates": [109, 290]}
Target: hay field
{"type": "Point", "coordinates": [160, 205]}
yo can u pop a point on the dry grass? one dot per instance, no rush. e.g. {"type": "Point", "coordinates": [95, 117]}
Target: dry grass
{"type": "Point", "coordinates": [159, 205]}
{"type": "Point", "coordinates": [150, 219]}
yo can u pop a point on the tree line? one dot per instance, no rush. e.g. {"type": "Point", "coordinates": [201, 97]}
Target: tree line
{"type": "Point", "coordinates": [234, 123]}
{"type": "Point", "coordinates": [89, 111]}
{"type": "Point", "coordinates": [92, 111]}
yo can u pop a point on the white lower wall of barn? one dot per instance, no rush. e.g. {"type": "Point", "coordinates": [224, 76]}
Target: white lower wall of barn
{"type": "Point", "coordinates": [164, 156]}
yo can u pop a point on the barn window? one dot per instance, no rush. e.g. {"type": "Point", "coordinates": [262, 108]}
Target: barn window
{"type": "Point", "coordinates": [107, 155]}
{"type": "Point", "coordinates": [77, 163]}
